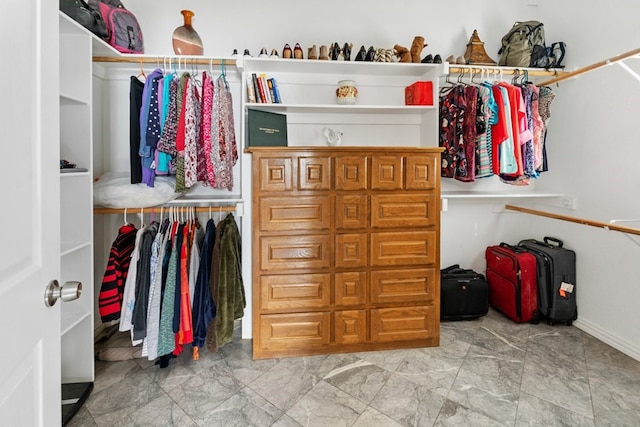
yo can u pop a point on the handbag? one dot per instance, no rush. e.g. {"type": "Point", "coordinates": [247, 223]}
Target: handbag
{"type": "Point", "coordinates": [80, 12]}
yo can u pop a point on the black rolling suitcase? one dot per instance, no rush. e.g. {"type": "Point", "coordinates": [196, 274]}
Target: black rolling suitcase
{"type": "Point", "coordinates": [464, 294]}
{"type": "Point", "coordinates": [556, 274]}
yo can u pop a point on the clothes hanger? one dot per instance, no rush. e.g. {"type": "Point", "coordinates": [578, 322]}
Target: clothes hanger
{"type": "Point", "coordinates": [125, 217]}
{"type": "Point", "coordinates": [141, 73]}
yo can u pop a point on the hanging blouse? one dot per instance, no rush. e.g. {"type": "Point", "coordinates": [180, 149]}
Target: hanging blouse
{"type": "Point", "coordinates": [192, 133]}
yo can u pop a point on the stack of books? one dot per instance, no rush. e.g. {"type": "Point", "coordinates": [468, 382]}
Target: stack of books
{"type": "Point", "coordinates": [263, 90]}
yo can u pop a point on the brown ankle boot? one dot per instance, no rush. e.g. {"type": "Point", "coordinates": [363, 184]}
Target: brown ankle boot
{"type": "Point", "coordinates": [416, 48]}
{"type": "Point", "coordinates": [324, 55]}
{"type": "Point", "coordinates": [313, 52]}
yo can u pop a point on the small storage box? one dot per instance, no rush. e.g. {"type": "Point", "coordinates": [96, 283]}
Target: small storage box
{"type": "Point", "coordinates": [419, 93]}
{"type": "Point", "coordinates": [267, 129]}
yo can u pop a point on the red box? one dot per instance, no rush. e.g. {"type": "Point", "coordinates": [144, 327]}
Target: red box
{"type": "Point", "coordinates": [419, 93]}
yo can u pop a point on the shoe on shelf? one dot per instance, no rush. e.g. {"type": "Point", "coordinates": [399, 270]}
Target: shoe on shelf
{"type": "Point", "coordinates": [362, 53]}
{"type": "Point", "coordinates": [287, 53]}
{"type": "Point", "coordinates": [312, 53]}
{"type": "Point", "coordinates": [451, 59]}
{"type": "Point", "coordinates": [334, 51]}
{"type": "Point", "coordinates": [371, 54]}
{"type": "Point", "coordinates": [346, 51]}
{"type": "Point", "coordinates": [427, 59]}
{"type": "Point", "coordinates": [297, 52]}
{"type": "Point", "coordinates": [323, 53]}
{"type": "Point", "coordinates": [246, 52]}
{"type": "Point", "coordinates": [274, 54]}
{"type": "Point", "coordinates": [235, 52]}
{"type": "Point", "coordinates": [461, 60]}
{"type": "Point", "coordinates": [437, 59]}
{"type": "Point", "coordinates": [263, 53]}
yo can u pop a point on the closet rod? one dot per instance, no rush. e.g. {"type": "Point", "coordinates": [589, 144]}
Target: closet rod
{"type": "Point", "coordinates": [157, 209]}
{"type": "Point", "coordinates": [159, 59]}
{"type": "Point", "coordinates": [459, 69]}
{"type": "Point", "coordinates": [592, 67]}
{"type": "Point", "coordinates": [605, 225]}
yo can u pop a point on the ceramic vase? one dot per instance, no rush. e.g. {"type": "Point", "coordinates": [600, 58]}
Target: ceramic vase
{"type": "Point", "coordinates": [347, 93]}
{"type": "Point", "coordinates": [186, 40]}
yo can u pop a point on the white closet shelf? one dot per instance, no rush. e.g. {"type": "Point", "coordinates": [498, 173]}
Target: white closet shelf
{"type": "Point", "coordinates": [69, 318]}
{"type": "Point", "coordinates": [496, 195]}
{"type": "Point", "coordinates": [328, 108]}
{"type": "Point", "coordinates": [315, 66]}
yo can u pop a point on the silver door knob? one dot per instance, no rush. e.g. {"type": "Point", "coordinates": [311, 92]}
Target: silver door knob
{"type": "Point", "coordinates": [68, 292]}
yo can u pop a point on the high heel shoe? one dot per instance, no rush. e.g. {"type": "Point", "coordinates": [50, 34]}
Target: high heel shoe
{"type": "Point", "coordinates": [346, 51]}
{"type": "Point", "coordinates": [297, 51]}
{"type": "Point", "coordinates": [427, 59]}
{"type": "Point", "coordinates": [263, 53]}
{"type": "Point", "coordinates": [371, 53]}
{"type": "Point", "coordinates": [246, 53]}
{"type": "Point", "coordinates": [274, 54]}
{"type": "Point", "coordinates": [287, 53]}
{"type": "Point", "coordinates": [362, 53]}
{"type": "Point", "coordinates": [334, 51]}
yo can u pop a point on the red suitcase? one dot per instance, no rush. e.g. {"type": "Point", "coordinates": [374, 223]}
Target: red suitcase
{"type": "Point", "coordinates": [511, 274]}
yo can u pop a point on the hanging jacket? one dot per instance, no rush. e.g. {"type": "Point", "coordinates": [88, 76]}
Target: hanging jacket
{"type": "Point", "coordinates": [115, 275]}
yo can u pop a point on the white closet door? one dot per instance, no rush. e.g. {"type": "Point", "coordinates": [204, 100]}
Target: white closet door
{"type": "Point", "coordinates": [30, 248]}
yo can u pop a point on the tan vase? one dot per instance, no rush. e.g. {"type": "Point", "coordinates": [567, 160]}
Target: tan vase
{"type": "Point", "coordinates": [186, 40]}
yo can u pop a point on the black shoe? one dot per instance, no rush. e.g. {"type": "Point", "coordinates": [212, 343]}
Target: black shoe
{"type": "Point", "coordinates": [371, 53]}
{"type": "Point", "coordinates": [437, 59]}
{"type": "Point", "coordinates": [427, 59]}
{"type": "Point", "coordinates": [346, 52]}
{"type": "Point", "coordinates": [362, 53]}
{"type": "Point", "coordinates": [246, 52]}
{"type": "Point", "coordinates": [334, 51]}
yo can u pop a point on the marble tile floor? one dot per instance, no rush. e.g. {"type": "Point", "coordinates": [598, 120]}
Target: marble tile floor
{"type": "Point", "coordinates": [486, 372]}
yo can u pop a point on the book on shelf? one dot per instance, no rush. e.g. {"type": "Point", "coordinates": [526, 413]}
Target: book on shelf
{"type": "Point", "coordinates": [251, 93]}
{"type": "Point", "coordinates": [266, 128]}
{"type": "Point", "coordinates": [256, 86]}
{"type": "Point", "coordinates": [267, 94]}
{"type": "Point", "coordinates": [272, 92]}
{"type": "Point", "coordinates": [262, 89]}
{"type": "Point", "coordinates": [276, 91]}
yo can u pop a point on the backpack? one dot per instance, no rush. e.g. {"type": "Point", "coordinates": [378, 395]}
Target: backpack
{"type": "Point", "coordinates": [123, 30]}
{"type": "Point", "coordinates": [524, 46]}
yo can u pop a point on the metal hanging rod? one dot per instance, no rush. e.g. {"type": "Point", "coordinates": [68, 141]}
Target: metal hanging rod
{"type": "Point", "coordinates": [599, 224]}
{"type": "Point", "coordinates": [592, 67]}
{"type": "Point", "coordinates": [189, 60]}
{"type": "Point", "coordinates": [493, 70]}
{"type": "Point", "coordinates": [158, 209]}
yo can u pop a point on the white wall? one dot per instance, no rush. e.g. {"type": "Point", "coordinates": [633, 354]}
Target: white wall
{"type": "Point", "coordinates": [592, 145]}
{"type": "Point", "coordinates": [252, 24]}
{"type": "Point", "coordinates": [596, 157]}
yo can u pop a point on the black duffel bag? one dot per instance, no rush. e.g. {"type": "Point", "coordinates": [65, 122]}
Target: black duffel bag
{"type": "Point", "coordinates": [79, 11]}
{"type": "Point", "coordinates": [464, 294]}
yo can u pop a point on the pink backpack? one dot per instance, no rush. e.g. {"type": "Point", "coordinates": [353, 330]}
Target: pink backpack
{"type": "Point", "coordinates": [123, 29]}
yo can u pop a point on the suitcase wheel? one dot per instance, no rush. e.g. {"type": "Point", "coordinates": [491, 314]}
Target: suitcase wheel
{"type": "Point", "coordinates": [569, 322]}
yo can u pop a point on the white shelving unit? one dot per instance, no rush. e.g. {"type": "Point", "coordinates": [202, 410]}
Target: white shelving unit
{"type": "Point", "coordinates": [76, 219]}
{"type": "Point", "coordinates": [379, 117]}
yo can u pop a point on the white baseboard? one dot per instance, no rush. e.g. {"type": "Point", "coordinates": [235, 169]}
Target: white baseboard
{"type": "Point", "coordinates": [605, 336]}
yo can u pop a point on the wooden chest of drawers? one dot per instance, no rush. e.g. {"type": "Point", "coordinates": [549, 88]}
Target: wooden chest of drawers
{"type": "Point", "coordinates": [345, 249]}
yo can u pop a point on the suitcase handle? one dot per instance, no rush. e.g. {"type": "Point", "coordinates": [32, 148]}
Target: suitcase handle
{"type": "Point", "coordinates": [450, 269]}
{"type": "Point", "coordinates": [516, 249]}
{"type": "Point", "coordinates": [557, 242]}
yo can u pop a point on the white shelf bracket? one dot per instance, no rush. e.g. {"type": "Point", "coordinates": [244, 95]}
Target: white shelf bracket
{"type": "Point", "coordinates": [629, 70]}
{"type": "Point", "coordinates": [615, 221]}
